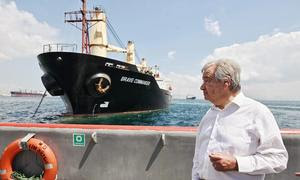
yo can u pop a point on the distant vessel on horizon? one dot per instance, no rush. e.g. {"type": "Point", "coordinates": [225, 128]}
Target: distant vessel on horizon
{"type": "Point", "coordinates": [190, 97]}
{"type": "Point", "coordinates": [26, 94]}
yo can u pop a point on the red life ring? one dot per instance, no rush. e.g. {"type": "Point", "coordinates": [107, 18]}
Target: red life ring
{"type": "Point", "coordinates": [35, 145]}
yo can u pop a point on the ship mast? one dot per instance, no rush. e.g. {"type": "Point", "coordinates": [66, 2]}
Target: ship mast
{"type": "Point", "coordinates": [75, 17]}
{"type": "Point", "coordinates": [94, 35]}
{"type": "Point", "coordinates": [84, 42]}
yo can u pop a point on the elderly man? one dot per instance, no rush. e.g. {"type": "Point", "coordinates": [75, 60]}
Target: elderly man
{"type": "Point", "coordinates": [238, 138]}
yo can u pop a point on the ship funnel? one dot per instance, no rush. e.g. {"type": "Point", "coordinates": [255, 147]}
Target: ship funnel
{"type": "Point", "coordinates": [98, 34]}
{"type": "Point", "coordinates": [130, 53]}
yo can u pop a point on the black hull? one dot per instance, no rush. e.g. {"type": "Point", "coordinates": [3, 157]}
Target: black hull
{"type": "Point", "coordinates": [74, 76]}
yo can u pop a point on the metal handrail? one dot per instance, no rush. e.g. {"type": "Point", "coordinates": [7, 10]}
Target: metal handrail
{"type": "Point", "coordinates": [60, 47]}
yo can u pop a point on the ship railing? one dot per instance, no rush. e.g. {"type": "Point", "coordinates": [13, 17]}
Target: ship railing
{"type": "Point", "coordinates": [60, 47]}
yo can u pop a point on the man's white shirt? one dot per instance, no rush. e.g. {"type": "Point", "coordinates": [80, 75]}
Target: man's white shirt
{"type": "Point", "coordinates": [245, 129]}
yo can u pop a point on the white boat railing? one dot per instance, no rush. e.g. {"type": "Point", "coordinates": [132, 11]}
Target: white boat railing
{"type": "Point", "coordinates": [60, 47]}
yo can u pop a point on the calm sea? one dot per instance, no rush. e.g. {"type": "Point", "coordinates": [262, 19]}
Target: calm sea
{"type": "Point", "coordinates": [180, 113]}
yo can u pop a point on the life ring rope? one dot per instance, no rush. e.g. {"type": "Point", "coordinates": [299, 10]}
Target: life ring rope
{"type": "Point", "coordinates": [35, 145]}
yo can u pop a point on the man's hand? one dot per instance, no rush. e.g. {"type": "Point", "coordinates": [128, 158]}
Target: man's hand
{"type": "Point", "coordinates": [223, 162]}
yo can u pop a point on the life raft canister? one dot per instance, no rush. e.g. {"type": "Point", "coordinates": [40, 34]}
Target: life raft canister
{"type": "Point", "coordinates": [35, 145]}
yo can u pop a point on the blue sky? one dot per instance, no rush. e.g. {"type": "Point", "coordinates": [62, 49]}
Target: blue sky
{"type": "Point", "coordinates": [179, 36]}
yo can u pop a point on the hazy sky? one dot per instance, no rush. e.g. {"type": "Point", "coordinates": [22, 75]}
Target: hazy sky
{"type": "Point", "coordinates": [179, 36]}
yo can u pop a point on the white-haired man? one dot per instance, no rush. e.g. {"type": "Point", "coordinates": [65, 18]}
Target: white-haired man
{"type": "Point", "coordinates": [238, 138]}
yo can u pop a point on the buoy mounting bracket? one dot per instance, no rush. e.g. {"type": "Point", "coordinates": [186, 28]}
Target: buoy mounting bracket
{"type": "Point", "coordinates": [25, 139]}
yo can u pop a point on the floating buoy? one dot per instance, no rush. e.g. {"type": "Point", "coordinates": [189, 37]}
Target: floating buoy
{"type": "Point", "coordinates": [35, 145]}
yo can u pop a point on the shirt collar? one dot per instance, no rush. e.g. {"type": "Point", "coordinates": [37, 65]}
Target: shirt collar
{"type": "Point", "coordinates": [238, 100]}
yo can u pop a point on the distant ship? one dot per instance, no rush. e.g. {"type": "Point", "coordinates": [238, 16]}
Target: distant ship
{"type": "Point", "coordinates": [190, 97]}
{"type": "Point", "coordinates": [26, 94]}
{"type": "Point", "coordinates": [89, 82]}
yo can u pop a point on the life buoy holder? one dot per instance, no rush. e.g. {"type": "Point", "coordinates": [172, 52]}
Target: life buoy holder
{"type": "Point", "coordinates": [35, 145]}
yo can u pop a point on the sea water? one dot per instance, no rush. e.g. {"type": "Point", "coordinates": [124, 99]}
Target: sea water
{"type": "Point", "coordinates": [181, 112]}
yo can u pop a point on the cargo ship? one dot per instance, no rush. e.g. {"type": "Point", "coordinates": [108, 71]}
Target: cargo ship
{"type": "Point", "coordinates": [191, 97]}
{"type": "Point", "coordinates": [26, 94]}
{"type": "Point", "coordinates": [89, 82]}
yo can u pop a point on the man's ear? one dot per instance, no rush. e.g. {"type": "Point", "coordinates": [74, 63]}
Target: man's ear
{"type": "Point", "coordinates": [227, 84]}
